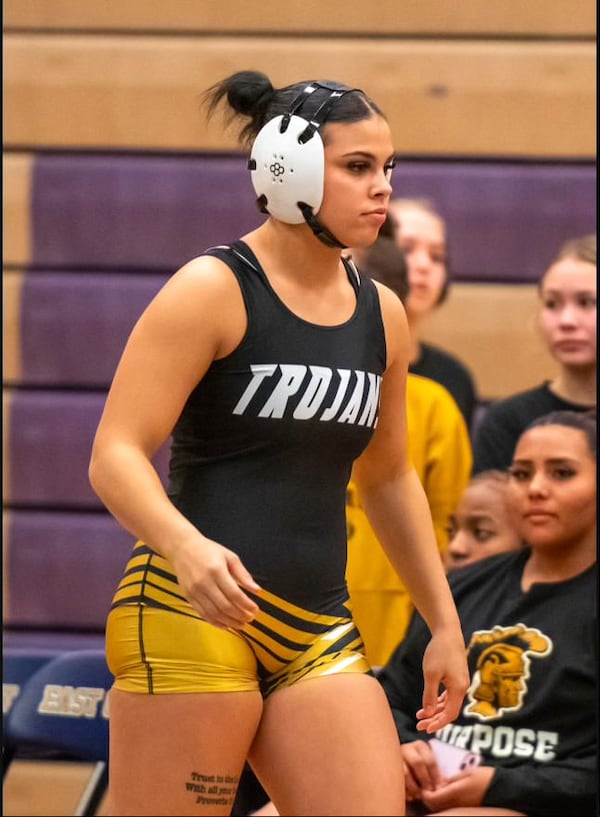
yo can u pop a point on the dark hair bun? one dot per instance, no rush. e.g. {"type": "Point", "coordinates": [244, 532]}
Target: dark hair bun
{"type": "Point", "coordinates": [249, 92]}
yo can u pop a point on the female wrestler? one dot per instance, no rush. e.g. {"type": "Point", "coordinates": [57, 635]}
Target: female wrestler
{"type": "Point", "coordinates": [277, 369]}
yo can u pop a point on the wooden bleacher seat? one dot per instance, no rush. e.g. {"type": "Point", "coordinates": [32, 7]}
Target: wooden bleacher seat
{"type": "Point", "coordinates": [432, 17]}
{"type": "Point", "coordinates": [522, 97]}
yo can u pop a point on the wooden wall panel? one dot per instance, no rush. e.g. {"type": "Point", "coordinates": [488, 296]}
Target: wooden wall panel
{"type": "Point", "coordinates": [11, 315]}
{"type": "Point", "coordinates": [16, 203]}
{"type": "Point", "coordinates": [493, 328]}
{"type": "Point", "coordinates": [500, 17]}
{"type": "Point", "coordinates": [529, 99]}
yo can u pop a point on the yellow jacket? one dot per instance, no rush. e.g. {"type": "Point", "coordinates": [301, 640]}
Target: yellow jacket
{"type": "Point", "coordinates": [440, 449]}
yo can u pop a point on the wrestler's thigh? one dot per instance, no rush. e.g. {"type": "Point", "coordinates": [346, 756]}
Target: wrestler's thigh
{"type": "Point", "coordinates": [329, 746]}
{"type": "Point", "coordinates": [178, 754]}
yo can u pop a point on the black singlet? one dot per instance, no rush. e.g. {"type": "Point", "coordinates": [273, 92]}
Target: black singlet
{"type": "Point", "coordinates": [263, 450]}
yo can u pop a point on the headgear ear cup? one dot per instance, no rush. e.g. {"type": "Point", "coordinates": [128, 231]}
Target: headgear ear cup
{"type": "Point", "coordinates": [288, 163]}
{"type": "Point", "coordinates": [287, 172]}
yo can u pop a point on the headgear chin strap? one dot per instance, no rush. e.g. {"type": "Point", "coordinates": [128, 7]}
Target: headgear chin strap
{"type": "Point", "coordinates": [287, 164]}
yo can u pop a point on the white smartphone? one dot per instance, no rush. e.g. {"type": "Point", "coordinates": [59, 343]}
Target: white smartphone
{"type": "Point", "coordinates": [453, 760]}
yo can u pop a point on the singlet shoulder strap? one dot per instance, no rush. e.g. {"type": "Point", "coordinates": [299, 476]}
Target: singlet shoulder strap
{"type": "Point", "coordinates": [225, 251]}
{"type": "Point", "coordinates": [238, 251]}
{"type": "Point", "coordinates": [247, 271]}
{"type": "Point", "coordinates": [352, 271]}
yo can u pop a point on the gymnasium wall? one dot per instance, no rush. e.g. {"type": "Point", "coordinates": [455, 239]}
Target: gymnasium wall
{"type": "Point", "coordinates": [113, 178]}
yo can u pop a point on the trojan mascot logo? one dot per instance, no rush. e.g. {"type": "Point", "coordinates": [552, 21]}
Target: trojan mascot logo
{"type": "Point", "coordinates": [502, 668]}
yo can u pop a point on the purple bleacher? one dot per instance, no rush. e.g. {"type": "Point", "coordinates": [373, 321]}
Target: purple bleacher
{"type": "Point", "coordinates": [52, 640]}
{"type": "Point", "coordinates": [74, 325]}
{"type": "Point", "coordinates": [112, 211]}
{"type": "Point", "coordinates": [505, 220]}
{"type": "Point", "coordinates": [140, 212]}
{"type": "Point", "coordinates": [61, 570]}
{"type": "Point", "coordinates": [50, 435]}
{"type": "Point", "coordinates": [107, 229]}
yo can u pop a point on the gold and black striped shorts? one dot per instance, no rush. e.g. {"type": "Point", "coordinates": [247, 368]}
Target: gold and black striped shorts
{"type": "Point", "coordinates": [157, 643]}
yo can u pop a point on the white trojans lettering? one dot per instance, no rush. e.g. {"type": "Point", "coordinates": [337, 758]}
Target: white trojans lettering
{"type": "Point", "coordinates": [502, 741]}
{"type": "Point", "coordinates": [312, 390]}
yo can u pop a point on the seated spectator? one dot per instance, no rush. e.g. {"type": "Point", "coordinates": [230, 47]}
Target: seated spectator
{"type": "Point", "coordinates": [440, 450]}
{"type": "Point", "coordinates": [421, 233]}
{"type": "Point", "coordinates": [529, 620]}
{"type": "Point", "coordinates": [567, 321]}
{"type": "Point", "coordinates": [483, 523]}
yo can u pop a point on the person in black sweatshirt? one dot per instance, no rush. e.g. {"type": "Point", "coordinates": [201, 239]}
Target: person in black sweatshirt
{"type": "Point", "coordinates": [529, 622]}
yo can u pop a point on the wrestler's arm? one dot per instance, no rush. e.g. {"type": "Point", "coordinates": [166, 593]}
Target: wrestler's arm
{"type": "Point", "coordinates": [180, 333]}
{"type": "Point", "coordinates": [397, 507]}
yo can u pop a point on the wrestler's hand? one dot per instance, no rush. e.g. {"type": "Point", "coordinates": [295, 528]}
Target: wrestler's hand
{"type": "Point", "coordinates": [444, 666]}
{"type": "Point", "coordinates": [421, 770]}
{"type": "Point", "coordinates": [212, 578]}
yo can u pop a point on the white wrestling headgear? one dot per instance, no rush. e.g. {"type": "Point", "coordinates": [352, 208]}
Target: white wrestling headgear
{"type": "Point", "coordinates": [286, 171]}
{"type": "Point", "coordinates": [287, 163]}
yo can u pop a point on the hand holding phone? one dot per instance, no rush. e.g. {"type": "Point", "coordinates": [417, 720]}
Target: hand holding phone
{"type": "Point", "coordinates": [453, 760]}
